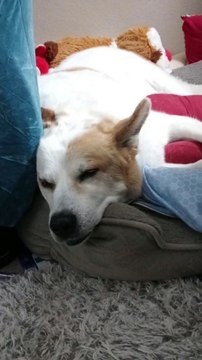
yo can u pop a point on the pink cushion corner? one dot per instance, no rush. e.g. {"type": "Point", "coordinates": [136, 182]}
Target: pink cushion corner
{"type": "Point", "coordinates": [183, 151]}
{"type": "Point", "coordinates": [192, 28]}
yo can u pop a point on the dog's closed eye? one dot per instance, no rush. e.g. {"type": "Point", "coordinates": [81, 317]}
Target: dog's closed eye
{"type": "Point", "coordinates": [47, 184]}
{"type": "Point", "coordinates": [89, 173]}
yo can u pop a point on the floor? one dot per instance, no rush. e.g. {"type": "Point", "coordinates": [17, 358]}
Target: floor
{"type": "Point", "coordinates": [13, 267]}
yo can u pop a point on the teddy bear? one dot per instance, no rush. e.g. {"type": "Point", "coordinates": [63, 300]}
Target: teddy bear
{"type": "Point", "coordinates": [143, 40]}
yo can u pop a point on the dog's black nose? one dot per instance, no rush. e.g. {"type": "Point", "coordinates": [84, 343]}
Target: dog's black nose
{"type": "Point", "coordinates": [63, 223]}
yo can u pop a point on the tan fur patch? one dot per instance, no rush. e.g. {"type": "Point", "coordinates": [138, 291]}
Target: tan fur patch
{"type": "Point", "coordinates": [99, 149]}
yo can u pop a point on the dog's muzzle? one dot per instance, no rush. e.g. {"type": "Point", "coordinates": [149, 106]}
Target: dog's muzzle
{"type": "Point", "coordinates": [64, 228]}
{"type": "Point", "coordinates": [63, 224]}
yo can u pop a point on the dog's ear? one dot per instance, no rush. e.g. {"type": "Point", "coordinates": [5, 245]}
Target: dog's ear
{"type": "Point", "coordinates": [48, 117]}
{"type": "Point", "coordinates": [126, 129]}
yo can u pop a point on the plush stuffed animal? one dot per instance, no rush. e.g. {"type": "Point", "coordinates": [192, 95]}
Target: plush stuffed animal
{"type": "Point", "coordinates": [143, 40]}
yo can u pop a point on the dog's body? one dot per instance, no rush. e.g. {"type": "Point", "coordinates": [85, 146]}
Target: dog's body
{"type": "Point", "coordinates": [87, 159]}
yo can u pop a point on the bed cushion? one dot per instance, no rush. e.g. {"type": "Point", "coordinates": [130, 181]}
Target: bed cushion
{"type": "Point", "coordinates": [181, 151]}
{"type": "Point", "coordinates": [192, 28]}
{"type": "Point", "coordinates": [130, 243]}
{"type": "Point", "coordinates": [191, 73]}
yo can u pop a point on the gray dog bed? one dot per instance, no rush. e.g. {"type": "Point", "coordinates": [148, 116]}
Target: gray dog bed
{"type": "Point", "coordinates": [130, 243]}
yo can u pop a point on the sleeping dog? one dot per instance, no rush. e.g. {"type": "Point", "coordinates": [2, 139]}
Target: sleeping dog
{"type": "Point", "coordinates": [101, 132]}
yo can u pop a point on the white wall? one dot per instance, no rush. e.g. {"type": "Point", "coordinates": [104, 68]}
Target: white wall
{"type": "Point", "coordinates": [54, 19]}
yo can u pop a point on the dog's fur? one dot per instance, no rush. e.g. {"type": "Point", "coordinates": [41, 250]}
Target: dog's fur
{"type": "Point", "coordinates": [87, 158]}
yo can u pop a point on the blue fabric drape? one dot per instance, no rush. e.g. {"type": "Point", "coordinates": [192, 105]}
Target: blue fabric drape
{"type": "Point", "coordinates": [175, 192]}
{"type": "Point", "coordinates": [20, 119]}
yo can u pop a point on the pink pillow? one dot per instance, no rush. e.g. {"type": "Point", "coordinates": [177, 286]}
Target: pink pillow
{"type": "Point", "coordinates": [192, 28]}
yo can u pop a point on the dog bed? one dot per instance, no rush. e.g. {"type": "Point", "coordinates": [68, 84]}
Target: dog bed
{"type": "Point", "coordinates": [130, 243]}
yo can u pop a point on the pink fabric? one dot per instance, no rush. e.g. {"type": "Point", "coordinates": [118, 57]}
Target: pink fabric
{"type": "Point", "coordinates": [184, 151]}
{"type": "Point", "coordinates": [192, 28]}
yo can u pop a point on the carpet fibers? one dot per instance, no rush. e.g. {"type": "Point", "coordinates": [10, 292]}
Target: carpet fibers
{"type": "Point", "coordinates": [58, 314]}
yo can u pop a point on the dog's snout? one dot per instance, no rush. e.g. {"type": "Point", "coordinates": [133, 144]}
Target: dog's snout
{"type": "Point", "coordinates": [63, 224]}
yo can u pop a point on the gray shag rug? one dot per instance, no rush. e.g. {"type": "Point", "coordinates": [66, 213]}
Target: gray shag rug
{"type": "Point", "coordinates": [58, 314]}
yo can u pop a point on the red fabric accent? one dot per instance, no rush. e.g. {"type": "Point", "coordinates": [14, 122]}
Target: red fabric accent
{"type": "Point", "coordinates": [192, 28]}
{"type": "Point", "coordinates": [184, 151]}
{"type": "Point", "coordinates": [168, 54]}
{"type": "Point", "coordinates": [41, 61]}
{"type": "Point", "coordinates": [40, 51]}
{"type": "Point", "coordinates": [42, 65]}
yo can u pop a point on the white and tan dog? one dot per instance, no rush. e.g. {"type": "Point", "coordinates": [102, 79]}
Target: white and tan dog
{"type": "Point", "coordinates": [88, 159]}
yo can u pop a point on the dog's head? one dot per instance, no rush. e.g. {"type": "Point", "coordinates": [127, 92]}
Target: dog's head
{"type": "Point", "coordinates": [80, 174]}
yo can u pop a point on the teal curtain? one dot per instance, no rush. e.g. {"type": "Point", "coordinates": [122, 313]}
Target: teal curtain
{"type": "Point", "coordinates": [20, 120]}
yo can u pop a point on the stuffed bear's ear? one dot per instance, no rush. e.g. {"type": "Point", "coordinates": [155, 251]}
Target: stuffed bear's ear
{"type": "Point", "coordinates": [51, 50]}
{"type": "Point", "coordinates": [48, 117]}
{"type": "Point", "coordinates": [125, 130]}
